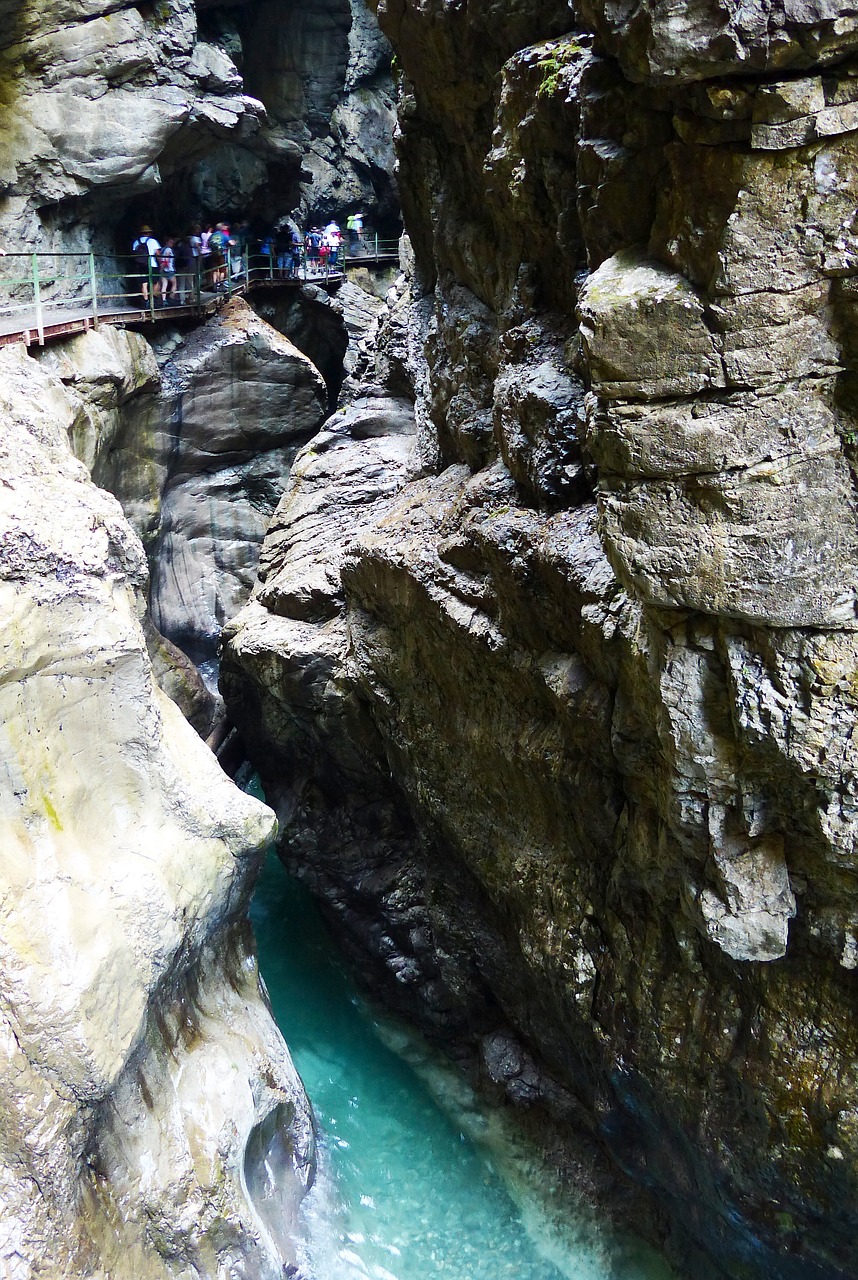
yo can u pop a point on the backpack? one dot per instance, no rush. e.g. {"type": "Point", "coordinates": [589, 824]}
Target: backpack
{"type": "Point", "coordinates": [183, 257]}
{"type": "Point", "coordinates": [217, 243]}
{"type": "Point", "coordinates": [163, 260]}
{"type": "Point", "coordinates": [140, 249]}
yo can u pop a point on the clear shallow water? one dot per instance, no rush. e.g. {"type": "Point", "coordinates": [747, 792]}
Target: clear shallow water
{"type": "Point", "coordinates": [415, 1180]}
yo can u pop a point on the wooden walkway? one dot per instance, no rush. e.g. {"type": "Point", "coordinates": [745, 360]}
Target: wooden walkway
{"type": "Point", "coordinates": [60, 318]}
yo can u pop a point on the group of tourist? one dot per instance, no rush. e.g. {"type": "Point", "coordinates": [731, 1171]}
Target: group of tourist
{"type": "Point", "coordinates": [178, 268]}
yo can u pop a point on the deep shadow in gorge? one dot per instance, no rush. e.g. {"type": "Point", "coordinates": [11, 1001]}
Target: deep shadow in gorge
{"type": "Point", "coordinates": [415, 1174]}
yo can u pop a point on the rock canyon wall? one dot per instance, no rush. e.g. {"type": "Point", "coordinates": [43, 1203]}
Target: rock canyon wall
{"type": "Point", "coordinates": [550, 670]}
{"type": "Point", "coordinates": [129, 991]}
{"type": "Point", "coordinates": [115, 114]}
{"type": "Point", "coordinates": [152, 1122]}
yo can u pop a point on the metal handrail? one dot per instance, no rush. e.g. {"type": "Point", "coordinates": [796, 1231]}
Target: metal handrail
{"type": "Point", "coordinates": [37, 288]}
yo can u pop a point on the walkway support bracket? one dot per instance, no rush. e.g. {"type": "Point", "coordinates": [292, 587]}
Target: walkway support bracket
{"type": "Point", "coordinates": [37, 301]}
{"type": "Point", "coordinates": [93, 284]}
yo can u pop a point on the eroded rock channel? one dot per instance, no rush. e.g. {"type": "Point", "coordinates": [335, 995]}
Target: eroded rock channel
{"type": "Point", "coordinates": [531, 568]}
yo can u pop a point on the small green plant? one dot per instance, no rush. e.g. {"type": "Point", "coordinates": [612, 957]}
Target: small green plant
{"type": "Point", "coordinates": [557, 58]}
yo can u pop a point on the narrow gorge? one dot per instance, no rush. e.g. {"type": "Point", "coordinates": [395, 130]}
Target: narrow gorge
{"type": "Point", "coordinates": [520, 567]}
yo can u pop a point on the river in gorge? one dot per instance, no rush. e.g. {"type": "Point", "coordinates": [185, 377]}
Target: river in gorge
{"type": "Point", "coordinates": [416, 1179]}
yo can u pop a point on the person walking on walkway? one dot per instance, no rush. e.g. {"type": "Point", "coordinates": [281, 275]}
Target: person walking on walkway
{"type": "Point", "coordinates": [354, 226]}
{"type": "Point", "coordinates": [283, 251]}
{"type": "Point", "coordinates": [185, 260]}
{"type": "Point", "coordinates": [145, 249]}
{"type": "Point", "coordinates": [333, 239]}
{"type": "Point", "coordinates": [296, 248]}
{"type": "Point", "coordinates": [167, 272]}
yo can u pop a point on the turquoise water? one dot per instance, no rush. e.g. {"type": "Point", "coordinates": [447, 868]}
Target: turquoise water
{"type": "Point", "coordinates": [415, 1179]}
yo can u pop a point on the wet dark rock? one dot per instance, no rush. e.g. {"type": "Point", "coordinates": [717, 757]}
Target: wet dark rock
{"type": "Point", "coordinates": [578, 687]}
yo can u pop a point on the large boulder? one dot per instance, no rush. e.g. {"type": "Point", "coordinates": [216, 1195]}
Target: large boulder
{"type": "Point", "coordinates": [200, 466]}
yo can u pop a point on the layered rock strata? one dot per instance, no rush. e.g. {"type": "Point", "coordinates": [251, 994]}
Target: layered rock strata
{"type": "Point", "coordinates": [102, 104]}
{"type": "Point", "coordinates": [145, 1087]}
{"type": "Point", "coordinates": [562, 727]}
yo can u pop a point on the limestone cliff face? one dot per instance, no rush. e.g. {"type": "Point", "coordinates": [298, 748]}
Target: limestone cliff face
{"type": "Point", "coordinates": [128, 989]}
{"type": "Point", "coordinates": [564, 728]}
{"type": "Point", "coordinates": [99, 103]}
{"type": "Point", "coordinates": [114, 113]}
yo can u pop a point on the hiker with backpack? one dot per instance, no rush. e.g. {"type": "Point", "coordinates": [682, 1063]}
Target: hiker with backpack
{"type": "Point", "coordinates": [185, 271]}
{"type": "Point", "coordinates": [296, 250]}
{"type": "Point", "coordinates": [354, 226]}
{"type": "Point", "coordinates": [167, 272]}
{"type": "Point", "coordinates": [219, 246]}
{"type": "Point", "coordinates": [241, 240]}
{"type": "Point", "coordinates": [145, 249]}
{"type": "Point", "coordinates": [313, 245]}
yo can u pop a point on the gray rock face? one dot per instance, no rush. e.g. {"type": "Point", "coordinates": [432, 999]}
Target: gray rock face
{"type": "Point", "coordinates": [96, 102]}
{"type": "Point", "coordinates": [702, 40]}
{"type": "Point", "coordinates": [322, 73]}
{"type": "Point", "coordinates": [123, 114]}
{"type": "Point", "coordinates": [128, 980]}
{"type": "Point", "coordinates": [564, 735]}
{"type": "Point", "coordinates": [200, 466]}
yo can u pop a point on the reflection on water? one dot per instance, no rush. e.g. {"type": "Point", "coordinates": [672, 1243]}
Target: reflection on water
{"type": "Point", "coordinates": [415, 1180]}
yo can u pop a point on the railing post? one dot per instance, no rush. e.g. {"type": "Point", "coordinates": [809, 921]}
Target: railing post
{"type": "Point", "coordinates": [228, 289]}
{"type": "Point", "coordinates": [376, 247]}
{"type": "Point", "coordinates": [94, 287]}
{"type": "Point", "coordinates": [198, 277]}
{"type": "Point", "coordinates": [270, 265]}
{"type": "Point", "coordinates": [37, 299]}
{"type": "Point", "coordinates": [151, 283]}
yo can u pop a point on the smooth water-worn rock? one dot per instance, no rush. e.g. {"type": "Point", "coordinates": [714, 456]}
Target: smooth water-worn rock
{"type": "Point", "coordinates": [563, 736]}
{"type": "Point", "coordinates": [129, 988]}
{"type": "Point", "coordinates": [199, 465]}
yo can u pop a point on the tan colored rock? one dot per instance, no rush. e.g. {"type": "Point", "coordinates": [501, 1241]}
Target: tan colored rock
{"type": "Point", "coordinates": [799, 111]}
{"type": "Point", "coordinates": [128, 856]}
{"type": "Point", "coordinates": [102, 370]}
